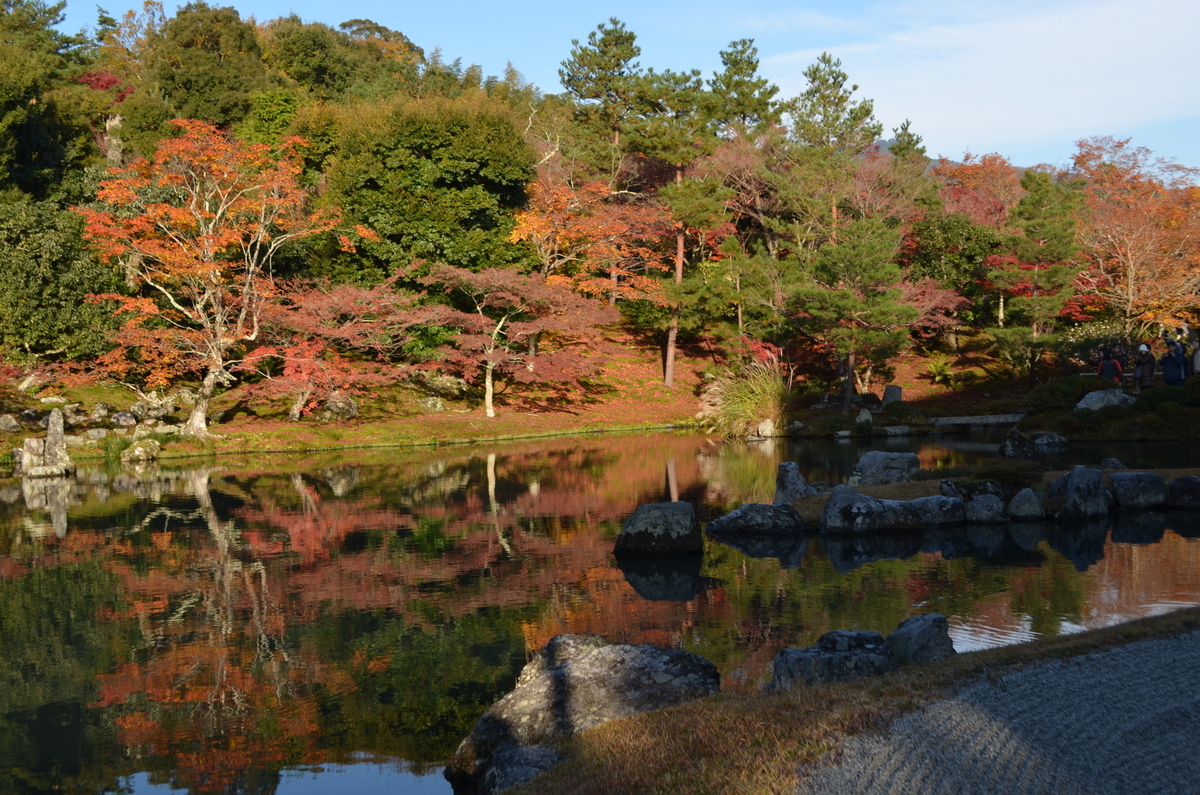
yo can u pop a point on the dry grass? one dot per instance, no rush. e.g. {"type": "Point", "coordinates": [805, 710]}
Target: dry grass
{"type": "Point", "coordinates": [763, 743]}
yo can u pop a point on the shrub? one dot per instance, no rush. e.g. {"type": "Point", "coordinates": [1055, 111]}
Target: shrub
{"type": "Point", "coordinates": [1168, 409]}
{"type": "Point", "coordinates": [735, 404]}
{"type": "Point", "coordinates": [1110, 413]}
{"type": "Point", "coordinates": [1192, 385]}
{"type": "Point", "coordinates": [1054, 396]}
{"type": "Point", "coordinates": [1152, 398]}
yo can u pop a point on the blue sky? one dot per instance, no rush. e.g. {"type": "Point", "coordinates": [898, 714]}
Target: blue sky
{"type": "Point", "coordinates": [1026, 79]}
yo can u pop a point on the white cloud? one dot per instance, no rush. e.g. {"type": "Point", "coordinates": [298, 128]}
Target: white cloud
{"type": "Point", "coordinates": [1018, 79]}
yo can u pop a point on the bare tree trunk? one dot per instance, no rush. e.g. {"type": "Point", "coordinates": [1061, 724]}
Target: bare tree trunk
{"type": "Point", "coordinates": [848, 385]}
{"type": "Point", "coordinates": [197, 422]}
{"type": "Point", "coordinates": [298, 404]}
{"type": "Point", "coordinates": [489, 390]}
{"type": "Point", "coordinates": [673, 330]}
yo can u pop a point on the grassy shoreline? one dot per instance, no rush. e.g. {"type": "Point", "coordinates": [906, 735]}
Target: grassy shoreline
{"type": "Point", "coordinates": [768, 742]}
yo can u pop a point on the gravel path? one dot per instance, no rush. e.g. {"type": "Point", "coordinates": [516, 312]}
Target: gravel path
{"type": "Point", "coordinates": [1121, 721]}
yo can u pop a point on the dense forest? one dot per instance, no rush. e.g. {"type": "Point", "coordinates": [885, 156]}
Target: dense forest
{"type": "Point", "coordinates": [298, 209]}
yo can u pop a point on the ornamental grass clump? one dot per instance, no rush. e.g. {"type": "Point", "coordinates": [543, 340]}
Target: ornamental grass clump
{"type": "Point", "coordinates": [733, 405]}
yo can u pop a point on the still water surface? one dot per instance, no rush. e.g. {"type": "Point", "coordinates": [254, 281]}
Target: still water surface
{"type": "Point", "coordinates": [338, 624]}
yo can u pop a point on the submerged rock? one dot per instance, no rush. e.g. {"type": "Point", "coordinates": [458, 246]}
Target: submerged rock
{"type": "Point", "coordinates": [878, 467]}
{"type": "Point", "coordinates": [1079, 494]}
{"type": "Point", "coordinates": [660, 528]}
{"type": "Point", "coordinates": [939, 510]}
{"type": "Point", "coordinates": [838, 656]}
{"type": "Point", "coordinates": [986, 509]}
{"type": "Point", "coordinates": [1184, 492]}
{"type": "Point", "coordinates": [758, 519]}
{"type": "Point", "coordinates": [1026, 505]}
{"type": "Point", "coordinates": [922, 638]}
{"type": "Point", "coordinates": [790, 485]}
{"type": "Point", "coordinates": [1138, 490]}
{"type": "Point", "coordinates": [663, 578]}
{"type": "Point", "coordinates": [850, 512]}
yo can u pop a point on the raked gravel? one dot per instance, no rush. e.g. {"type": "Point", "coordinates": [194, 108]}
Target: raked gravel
{"type": "Point", "coordinates": [1120, 721]}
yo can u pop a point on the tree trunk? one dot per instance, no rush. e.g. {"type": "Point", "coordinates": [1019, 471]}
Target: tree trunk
{"type": "Point", "coordinates": [294, 413]}
{"type": "Point", "coordinates": [489, 390]}
{"type": "Point", "coordinates": [848, 385]}
{"type": "Point", "coordinates": [1001, 316]}
{"type": "Point", "coordinates": [673, 331]}
{"type": "Point", "coordinates": [672, 480]}
{"type": "Point", "coordinates": [197, 422]}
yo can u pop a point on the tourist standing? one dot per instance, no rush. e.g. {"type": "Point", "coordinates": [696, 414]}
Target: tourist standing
{"type": "Point", "coordinates": [1172, 364]}
{"type": "Point", "coordinates": [1109, 368]}
{"type": "Point", "coordinates": [1147, 365]}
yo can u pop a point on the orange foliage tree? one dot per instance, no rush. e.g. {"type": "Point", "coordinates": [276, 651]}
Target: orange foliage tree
{"type": "Point", "coordinates": [196, 227]}
{"type": "Point", "coordinates": [1142, 232]}
{"type": "Point", "coordinates": [985, 187]}
{"type": "Point", "coordinates": [602, 243]}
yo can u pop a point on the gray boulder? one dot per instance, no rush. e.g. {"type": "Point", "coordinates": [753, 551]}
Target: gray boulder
{"type": "Point", "coordinates": [9, 424]}
{"type": "Point", "coordinates": [143, 451]}
{"type": "Point", "coordinates": [939, 510]}
{"type": "Point", "coordinates": [96, 434]}
{"type": "Point", "coordinates": [877, 468]}
{"type": "Point", "coordinates": [577, 682]}
{"type": "Point", "coordinates": [1112, 463]}
{"type": "Point", "coordinates": [790, 485]}
{"type": "Point", "coordinates": [986, 509]}
{"type": "Point", "coordinates": [1079, 494]}
{"type": "Point", "coordinates": [920, 639]}
{"type": "Point", "coordinates": [892, 393]}
{"type": "Point", "coordinates": [1094, 401]}
{"type": "Point", "coordinates": [766, 429]}
{"type": "Point", "coordinates": [99, 413]}
{"type": "Point", "coordinates": [850, 512]}
{"type": "Point", "coordinates": [47, 458]}
{"type": "Point", "coordinates": [1138, 490]}
{"type": "Point", "coordinates": [1026, 505]}
{"type": "Point", "coordinates": [432, 404]}
{"type": "Point", "coordinates": [760, 520]}
{"type": "Point", "coordinates": [838, 656]}
{"type": "Point", "coordinates": [514, 766]}
{"type": "Point", "coordinates": [864, 416]}
{"type": "Point", "coordinates": [125, 419]}
{"type": "Point", "coordinates": [662, 528]}
{"type": "Point", "coordinates": [1049, 442]}
{"type": "Point", "coordinates": [1020, 447]}
{"type": "Point", "coordinates": [1184, 492]}
{"type": "Point", "coordinates": [340, 406]}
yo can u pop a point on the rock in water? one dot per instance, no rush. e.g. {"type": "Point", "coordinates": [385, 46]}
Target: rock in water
{"type": "Point", "coordinates": [1026, 505]}
{"type": "Point", "coordinates": [766, 429]}
{"type": "Point", "coordinates": [877, 468]}
{"type": "Point", "coordinates": [757, 519]}
{"type": "Point", "coordinates": [919, 639]}
{"type": "Point", "coordinates": [1138, 490]}
{"type": "Point", "coordinates": [790, 485]}
{"type": "Point", "coordinates": [986, 509]}
{"type": "Point", "coordinates": [1079, 494]}
{"type": "Point", "coordinates": [1019, 446]}
{"type": "Point", "coordinates": [577, 682]}
{"type": "Point", "coordinates": [143, 451]}
{"type": "Point", "coordinates": [892, 393]}
{"type": "Point", "coordinates": [1094, 401]}
{"type": "Point", "coordinates": [1112, 463]}
{"type": "Point", "coordinates": [662, 528]}
{"type": "Point", "coordinates": [1049, 442]}
{"type": "Point", "coordinates": [940, 511]}
{"type": "Point", "coordinates": [850, 512]}
{"type": "Point", "coordinates": [1184, 492]}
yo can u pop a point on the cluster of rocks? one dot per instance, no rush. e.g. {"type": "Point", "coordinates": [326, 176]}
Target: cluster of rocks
{"type": "Point", "coordinates": [850, 654]}
{"type": "Point", "coordinates": [139, 420]}
{"type": "Point", "coordinates": [574, 683]}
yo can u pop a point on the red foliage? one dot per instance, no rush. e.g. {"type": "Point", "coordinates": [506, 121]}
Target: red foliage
{"type": "Point", "coordinates": [937, 305]}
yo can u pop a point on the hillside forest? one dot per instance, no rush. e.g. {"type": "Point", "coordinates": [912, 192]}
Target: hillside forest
{"type": "Point", "coordinates": [296, 210]}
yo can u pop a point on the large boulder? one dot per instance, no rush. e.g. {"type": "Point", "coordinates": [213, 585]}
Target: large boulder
{"type": "Point", "coordinates": [920, 639]}
{"type": "Point", "coordinates": [790, 485]}
{"type": "Point", "coordinates": [757, 519]}
{"type": "Point", "coordinates": [340, 406]}
{"type": "Point", "coordinates": [1094, 401]}
{"type": "Point", "coordinates": [850, 512]}
{"type": "Point", "coordinates": [1049, 442]}
{"type": "Point", "coordinates": [1020, 447]}
{"type": "Point", "coordinates": [142, 451]}
{"type": "Point", "coordinates": [1026, 505]}
{"type": "Point", "coordinates": [1184, 492]}
{"type": "Point", "coordinates": [516, 765]}
{"type": "Point", "coordinates": [892, 393]}
{"type": "Point", "coordinates": [838, 656]}
{"type": "Point", "coordinates": [9, 424]}
{"type": "Point", "coordinates": [1138, 490]}
{"type": "Point", "coordinates": [940, 511]}
{"type": "Point", "coordinates": [577, 682]}
{"type": "Point", "coordinates": [1079, 494]}
{"type": "Point", "coordinates": [878, 467]}
{"type": "Point", "coordinates": [986, 509]}
{"type": "Point", "coordinates": [662, 528]}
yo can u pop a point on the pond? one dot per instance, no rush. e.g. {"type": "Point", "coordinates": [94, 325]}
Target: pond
{"type": "Point", "coordinates": [315, 624]}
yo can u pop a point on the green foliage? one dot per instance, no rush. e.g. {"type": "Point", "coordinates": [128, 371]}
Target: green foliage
{"type": "Point", "coordinates": [941, 369]}
{"type": "Point", "coordinates": [437, 179]}
{"type": "Point", "coordinates": [602, 77]}
{"type": "Point", "coordinates": [826, 117]}
{"type": "Point", "coordinates": [48, 274]}
{"type": "Point", "coordinates": [207, 64]}
{"type": "Point", "coordinates": [1153, 398]}
{"type": "Point", "coordinates": [951, 250]}
{"type": "Point", "coordinates": [271, 113]}
{"type": "Point", "coordinates": [734, 404]}
{"type": "Point", "coordinates": [1080, 345]}
{"type": "Point", "coordinates": [744, 102]}
{"type": "Point", "coordinates": [1054, 396]}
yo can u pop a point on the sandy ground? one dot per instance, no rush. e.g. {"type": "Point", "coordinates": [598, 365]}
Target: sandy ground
{"type": "Point", "coordinates": [1121, 721]}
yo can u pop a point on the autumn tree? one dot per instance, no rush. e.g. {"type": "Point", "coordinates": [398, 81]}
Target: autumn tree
{"type": "Point", "coordinates": [984, 188]}
{"type": "Point", "coordinates": [1142, 231]}
{"type": "Point", "coordinates": [496, 311]}
{"type": "Point", "coordinates": [196, 228]}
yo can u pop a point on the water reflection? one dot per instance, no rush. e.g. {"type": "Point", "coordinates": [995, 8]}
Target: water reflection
{"type": "Point", "coordinates": [232, 629]}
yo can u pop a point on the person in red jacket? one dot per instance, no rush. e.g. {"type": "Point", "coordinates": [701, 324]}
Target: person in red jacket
{"type": "Point", "coordinates": [1109, 368]}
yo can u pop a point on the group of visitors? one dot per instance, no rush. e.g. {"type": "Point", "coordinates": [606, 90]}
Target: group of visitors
{"type": "Point", "coordinates": [1174, 363]}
